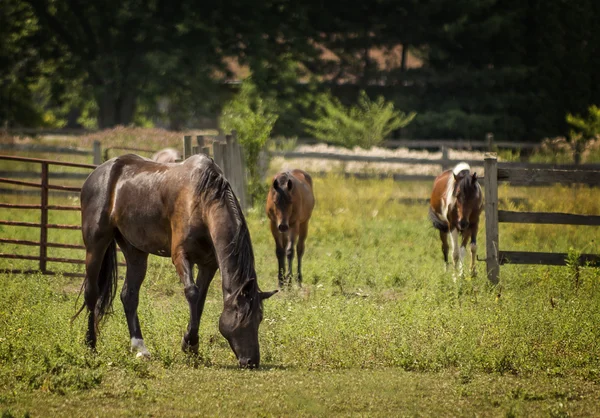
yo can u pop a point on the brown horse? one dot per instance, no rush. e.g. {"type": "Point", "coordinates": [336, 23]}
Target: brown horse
{"type": "Point", "coordinates": [290, 203]}
{"type": "Point", "coordinates": [185, 211]}
{"type": "Point", "coordinates": [455, 205]}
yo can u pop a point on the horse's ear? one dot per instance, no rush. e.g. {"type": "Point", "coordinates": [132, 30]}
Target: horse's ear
{"type": "Point", "coordinates": [290, 184]}
{"type": "Point", "coordinates": [267, 295]}
{"type": "Point", "coordinates": [474, 177]}
{"type": "Point", "coordinates": [455, 176]}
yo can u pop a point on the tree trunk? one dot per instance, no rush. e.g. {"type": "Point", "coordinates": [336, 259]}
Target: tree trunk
{"type": "Point", "coordinates": [115, 108]}
{"type": "Point", "coordinates": [403, 63]}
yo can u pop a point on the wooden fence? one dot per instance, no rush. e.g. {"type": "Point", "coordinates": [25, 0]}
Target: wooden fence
{"type": "Point", "coordinates": [44, 207]}
{"type": "Point", "coordinates": [227, 153]}
{"type": "Point", "coordinates": [529, 177]}
{"type": "Point", "coordinates": [95, 152]}
{"type": "Point", "coordinates": [444, 161]}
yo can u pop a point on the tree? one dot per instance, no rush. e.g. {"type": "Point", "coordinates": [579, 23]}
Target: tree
{"type": "Point", "coordinates": [365, 125]}
{"type": "Point", "coordinates": [124, 48]}
{"type": "Point", "coordinates": [19, 65]}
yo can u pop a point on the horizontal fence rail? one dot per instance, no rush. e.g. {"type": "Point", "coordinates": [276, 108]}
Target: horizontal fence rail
{"type": "Point", "coordinates": [488, 144]}
{"type": "Point", "coordinates": [517, 176]}
{"type": "Point", "coordinates": [550, 259]}
{"type": "Point", "coordinates": [95, 152]}
{"type": "Point", "coordinates": [44, 189]}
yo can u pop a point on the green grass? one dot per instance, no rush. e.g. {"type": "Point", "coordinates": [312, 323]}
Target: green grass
{"type": "Point", "coordinates": [379, 328]}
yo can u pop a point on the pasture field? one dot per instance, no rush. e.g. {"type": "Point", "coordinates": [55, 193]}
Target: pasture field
{"type": "Point", "coordinates": [378, 329]}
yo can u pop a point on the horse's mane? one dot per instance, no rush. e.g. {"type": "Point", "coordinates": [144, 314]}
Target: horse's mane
{"type": "Point", "coordinates": [284, 197]}
{"type": "Point", "coordinates": [213, 188]}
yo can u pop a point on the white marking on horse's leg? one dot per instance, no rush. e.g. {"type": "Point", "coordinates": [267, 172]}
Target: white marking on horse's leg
{"type": "Point", "coordinates": [473, 258]}
{"type": "Point", "coordinates": [455, 254]}
{"type": "Point", "coordinates": [137, 345]}
{"type": "Point", "coordinates": [454, 240]}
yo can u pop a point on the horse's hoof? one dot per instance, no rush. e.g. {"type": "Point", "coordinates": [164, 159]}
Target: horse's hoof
{"type": "Point", "coordinates": [143, 355]}
{"type": "Point", "coordinates": [189, 348]}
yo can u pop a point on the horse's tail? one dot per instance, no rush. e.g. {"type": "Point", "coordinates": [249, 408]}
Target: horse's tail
{"type": "Point", "coordinates": [437, 222]}
{"type": "Point", "coordinates": [107, 284]}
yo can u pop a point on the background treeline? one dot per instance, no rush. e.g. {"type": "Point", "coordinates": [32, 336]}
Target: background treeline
{"type": "Point", "coordinates": [467, 67]}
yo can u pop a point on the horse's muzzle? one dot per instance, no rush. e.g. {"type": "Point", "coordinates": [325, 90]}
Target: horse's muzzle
{"type": "Point", "coordinates": [246, 363]}
{"type": "Point", "coordinates": [283, 227]}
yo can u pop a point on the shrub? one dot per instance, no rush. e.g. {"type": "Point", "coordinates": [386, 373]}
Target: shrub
{"type": "Point", "coordinates": [365, 125]}
{"type": "Point", "coordinates": [253, 119]}
{"type": "Point", "coordinates": [584, 130]}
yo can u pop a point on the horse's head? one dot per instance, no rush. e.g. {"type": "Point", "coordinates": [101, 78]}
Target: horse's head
{"type": "Point", "coordinates": [242, 314]}
{"type": "Point", "coordinates": [468, 200]}
{"type": "Point", "coordinates": [281, 197]}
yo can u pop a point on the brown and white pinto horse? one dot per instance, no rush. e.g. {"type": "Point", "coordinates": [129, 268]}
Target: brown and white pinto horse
{"type": "Point", "coordinates": [455, 205]}
{"type": "Point", "coordinates": [290, 203]}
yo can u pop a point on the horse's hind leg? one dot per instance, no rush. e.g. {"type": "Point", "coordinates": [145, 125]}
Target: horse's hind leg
{"type": "Point", "coordinates": [303, 232]}
{"type": "Point", "coordinates": [94, 259]}
{"type": "Point", "coordinates": [137, 264]}
{"type": "Point", "coordinates": [444, 238]}
{"type": "Point", "coordinates": [204, 278]}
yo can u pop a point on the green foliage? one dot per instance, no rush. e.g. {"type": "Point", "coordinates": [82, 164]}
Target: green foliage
{"type": "Point", "coordinates": [585, 127]}
{"type": "Point", "coordinates": [365, 124]}
{"type": "Point", "coordinates": [253, 118]}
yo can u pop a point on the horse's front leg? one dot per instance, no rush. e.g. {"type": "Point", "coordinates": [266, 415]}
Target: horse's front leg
{"type": "Point", "coordinates": [190, 340]}
{"type": "Point", "coordinates": [289, 251]}
{"type": "Point", "coordinates": [280, 244]}
{"type": "Point", "coordinates": [137, 264]}
{"type": "Point", "coordinates": [303, 232]}
{"type": "Point", "coordinates": [457, 254]}
{"type": "Point", "coordinates": [473, 235]}
{"type": "Point", "coordinates": [192, 293]}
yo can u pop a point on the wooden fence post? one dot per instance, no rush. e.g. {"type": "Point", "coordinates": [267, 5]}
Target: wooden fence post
{"type": "Point", "coordinates": [187, 146]}
{"type": "Point", "coordinates": [219, 153]}
{"type": "Point", "coordinates": [445, 165]}
{"type": "Point", "coordinates": [97, 152]}
{"type": "Point", "coordinates": [44, 219]}
{"type": "Point", "coordinates": [491, 217]}
{"type": "Point", "coordinates": [489, 139]}
{"type": "Point", "coordinates": [202, 146]}
{"type": "Point", "coordinates": [238, 170]}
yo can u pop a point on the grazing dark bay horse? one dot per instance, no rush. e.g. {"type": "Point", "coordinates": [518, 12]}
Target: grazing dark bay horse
{"type": "Point", "coordinates": [186, 211]}
{"type": "Point", "coordinates": [290, 203]}
{"type": "Point", "coordinates": [167, 155]}
{"type": "Point", "coordinates": [455, 205]}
